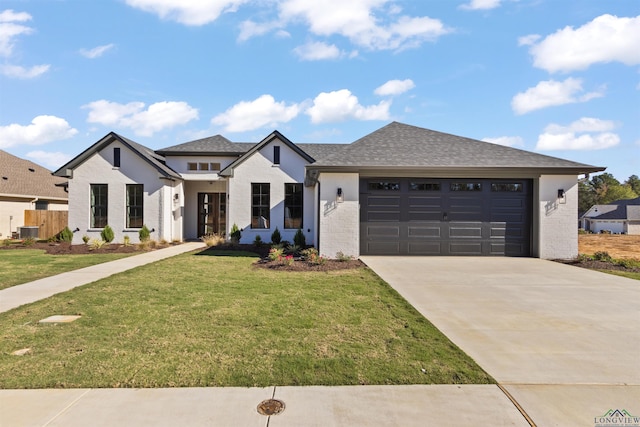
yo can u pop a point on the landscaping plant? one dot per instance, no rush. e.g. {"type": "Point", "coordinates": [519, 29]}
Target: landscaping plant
{"type": "Point", "coordinates": [299, 239]}
{"type": "Point", "coordinates": [276, 237]}
{"type": "Point", "coordinates": [107, 234]}
{"type": "Point", "coordinates": [144, 234]}
{"type": "Point", "coordinates": [66, 235]}
{"type": "Point", "coordinates": [235, 233]}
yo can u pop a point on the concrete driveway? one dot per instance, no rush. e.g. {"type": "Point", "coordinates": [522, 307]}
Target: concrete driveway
{"type": "Point", "coordinates": [563, 341]}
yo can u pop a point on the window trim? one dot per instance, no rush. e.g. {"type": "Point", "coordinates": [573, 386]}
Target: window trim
{"type": "Point", "coordinates": [93, 206]}
{"type": "Point", "coordinates": [300, 194]}
{"type": "Point", "coordinates": [128, 206]}
{"type": "Point", "coordinates": [262, 206]}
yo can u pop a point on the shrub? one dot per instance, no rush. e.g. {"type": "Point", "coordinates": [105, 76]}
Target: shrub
{"type": "Point", "coordinates": [126, 240]}
{"type": "Point", "coordinates": [235, 233]}
{"type": "Point", "coordinates": [275, 254]}
{"type": "Point", "coordinates": [85, 239]}
{"type": "Point", "coordinates": [96, 244]}
{"type": "Point", "coordinates": [293, 250]}
{"type": "Point", "coordinates": [311, 256]}
{"type": "Point", "coordinates": [276, 237]}
{"type": "Point", "coordinates": [147, 245]}
{"type": "Point", "coordinates": [107, 234]}
{"type": "Point", "coordinates": [66, 235]}
{"type": "Point", "coordinates": [212, 239]}
{"type": "Point", "coordinates": [258, 241]}
{"type": "Point", "coordinates": [29, 241]}
{"type": "Point", "coordinates": [299, 239]}
{"type": "Point", "coordinates": [144, 234]}
{"type": "Point", "coordinates": [602, 256]}
{"type": "Point", "coordinates": [6, 242]}
{"type": "Point", "coordinates": [340, 256]}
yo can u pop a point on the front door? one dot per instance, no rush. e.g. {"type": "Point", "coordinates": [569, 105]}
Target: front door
{"type": "Point", "coordinates": [212, 213]}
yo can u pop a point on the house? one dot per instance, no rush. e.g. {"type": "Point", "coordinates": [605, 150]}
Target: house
{"type": "Point", "coordinates": [399, 190]}
{"type": "Point", "coordinates": [26, 186]}
{"type": "Point", "coordinates": [621, 217]}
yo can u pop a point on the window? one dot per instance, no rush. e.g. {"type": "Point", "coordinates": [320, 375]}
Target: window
{"type": "Point", "coordinates": [42, 205]}
{"type": "Point", "coordinates": [276, 155]}
{"type": "Point", "coordinates": [203, 166]}
{"type": "Point", "coordinates": [98, 205]}
{"type": "Point", "coordinates": [192, 166]}
{"type": "Point", "coordinates": [260, 205]}
{"type": "Point", "coordinates": [215, 166]}
{"type": "Point", "coordinates": [293, 206]}
{"type": "Point", "coordinates": [135, 217]}
{"type": "Point", "coordinates": [424, 186]}
{"type": "Point", "coordinates": [384, 185]}
{"type": "Point", "coordinates": [506, 186]}
{"type": "Point", "coordinates": [465, 186]}
{"type": "Point", "coordinates": [116, 157]}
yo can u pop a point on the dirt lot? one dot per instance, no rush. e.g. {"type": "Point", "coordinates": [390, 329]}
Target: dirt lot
{"type": "Point", "coordinates": [617, 245]}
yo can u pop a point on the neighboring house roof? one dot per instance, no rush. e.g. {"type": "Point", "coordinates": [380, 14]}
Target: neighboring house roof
{"type": "Point", "coordinates": [228, 171]}
{"type": "Point", "coordinates": [398, 145]}
{"type": "Point", "coordinates": [151, 157]}
{"type": "Point", "coordinates": [23, 178]}
{"type": "Point", "coordinates": [627, 209]}
{"type": "Point", "coordinates": [214, 145]}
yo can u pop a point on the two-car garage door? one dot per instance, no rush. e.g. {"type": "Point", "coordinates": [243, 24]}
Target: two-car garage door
{"type": "Point", "coordinates": [417, 216]}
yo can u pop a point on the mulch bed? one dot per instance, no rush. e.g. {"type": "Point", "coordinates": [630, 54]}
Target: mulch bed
{"type": "Point", "coordinates": [68, 249]}
{"type": "Point", "coordinates": [600, 265]}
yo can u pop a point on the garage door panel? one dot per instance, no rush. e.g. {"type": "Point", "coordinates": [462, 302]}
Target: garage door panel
{"type": "Point", "coordinates": [383, 216]}
{"type": "Point", "coordinates": [376, 201]}
{"type": "Point", "coordinates": [382, 231]}
{"type": "Point", "coordinates": [465, 248]}
{"type": "Point", "coordinates": [425, 248]}
{"type": "Point", "coordinates": [421, 231]}
{"type": "Point", "coordinates": [465, 230]}
{"type": "Point", "coordinates": [383, 248]}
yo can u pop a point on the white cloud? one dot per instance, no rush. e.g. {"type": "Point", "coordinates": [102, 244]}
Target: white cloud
{"type": "Point", "coordinates": [52, 160]}
{"type": "Point", "coordinates": [9, 30]}
{"type": "Point", "coordinates": [96, 52]}
{"type": "Point", "coordinates": [550, 93]}
{"type": "Point", "coordinates": [159, 116]}
{"type": "Point", "coordinates": [395, 87]}
{"type": "Point", "coordinates": [250, 29]}
{"type": "Point", "coordinates": [315, 51]}
{"type": "Point", "coordinates": [341, 105]}
{"type": "Point", "coordinates": [587, 133]}
{"type": "Point", "coordinates": [42, 130]}
{"type": "Point", "coordinates": [16, 71]}
{"type": "Point", "coordinates": [605, 39]}
{"type": "Point", "coordinates": [480, 5]}
{"type": "Point", "coordinates": [528, 40]}
{"type": "Point", "coordinates": [508, 141]}
{"type": "Point", "coordinates": [250, 115]}
{"type": "Point", "coordinates": [188, 12]}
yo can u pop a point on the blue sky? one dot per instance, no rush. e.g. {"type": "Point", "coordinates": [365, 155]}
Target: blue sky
{"type": "Point", "coordinates": [558, 77]}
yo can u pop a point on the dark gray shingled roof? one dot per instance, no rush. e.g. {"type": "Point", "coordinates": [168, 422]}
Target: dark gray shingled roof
{"type": "Point", "coordinates": [212, 145]}
{"type": "Point", "coordinates": [23, 178]}
{"type": "Point", "coordinates": [621, 209]}
{"type": "Point", "coordinates": [154, 159]}
{"type": "Point", "coordinates": [398, 145]}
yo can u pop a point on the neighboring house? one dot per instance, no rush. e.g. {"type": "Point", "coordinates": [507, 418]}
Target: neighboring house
{"type": "Point", "coordinates": [399, 190]}
{"type": "Point", "coordinates": [618, 217]}
{"type": "Point", "coordinates": [25, 185]}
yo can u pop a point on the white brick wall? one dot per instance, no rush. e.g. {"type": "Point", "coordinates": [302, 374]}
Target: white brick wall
{"type": "Point", "coordinates": [558, 218]}
{"type": "Point", "coordinates": [259, 168]}
{"type": "Point", "coordinates": [98, 169]}
{"type": "Point", "coordinates": [339, 222]}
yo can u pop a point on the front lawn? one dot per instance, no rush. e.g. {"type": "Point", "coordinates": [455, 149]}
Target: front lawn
{"type": "Point", "coordinates": [19, 266]}
{"type": "Point", "coordinates": [198, 320]}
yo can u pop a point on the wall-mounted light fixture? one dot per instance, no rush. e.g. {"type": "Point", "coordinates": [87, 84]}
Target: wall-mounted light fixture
{"type": "Point", "coordinates": [561, 193]}
{"type": "Point", "coordinates": [76, 229]}
{"type": "Point", "coordinates": [339, 195]}
{"type": "Point", "coordinates": [152, 230]}
{"type": "Point", "coordinates": [176, 197]}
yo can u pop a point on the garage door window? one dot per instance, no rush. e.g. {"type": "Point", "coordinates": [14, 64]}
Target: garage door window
{"type": "Point", "coordinates": [507, 187]}
{"type": "Point", "coordinates": [466, 186]}
{"type": "Point", "coordinates": [424, 186]}
{"type": "Point", "coordinates": [384, 185]}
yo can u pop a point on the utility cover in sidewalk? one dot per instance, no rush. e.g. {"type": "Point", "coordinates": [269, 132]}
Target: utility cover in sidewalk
{"type": "Point", "coordinates": [271, 407]}
{"type": "Point", "coordinates": [59, 318]}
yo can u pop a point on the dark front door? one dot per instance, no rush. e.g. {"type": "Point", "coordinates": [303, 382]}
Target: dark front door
{"type": "Point", "coordinates": [212, 213]}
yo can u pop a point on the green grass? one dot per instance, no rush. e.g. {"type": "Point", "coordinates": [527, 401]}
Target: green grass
{"type": "Point", "coordinates": [628, 274]}
{"type": "Point", "coordinates": [19, 266]}
{"type": "Point", "coordinates": [196, 320]}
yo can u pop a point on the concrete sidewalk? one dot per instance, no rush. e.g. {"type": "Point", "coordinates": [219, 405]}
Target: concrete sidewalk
{"type": "Point", "coordinates": [417, 405]}
{"type": "Point", "coordinates": [16, 296]}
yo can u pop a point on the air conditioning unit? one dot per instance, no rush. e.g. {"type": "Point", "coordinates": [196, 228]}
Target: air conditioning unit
{"type": "Point", "coordinates": [29, 231]}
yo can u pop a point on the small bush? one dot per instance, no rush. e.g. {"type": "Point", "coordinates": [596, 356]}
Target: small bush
{"type": "Point", "coordinates": [340, 256]}
{"type": "Point", "coordinates": [311, 256]}
{"type": "Point", "coordinates": [126, 240]}
{"type": "Point", "coordinates": [628, 263]}
{"type": "Point", "coordinates": [293, 250]}
{"type": "Point", "coordinates": [602, 256]}
{"type": "Point", "coordinates": [212, 239]}
{"type": "Point", "coordinates": [235, 233]}
{"type": "Point", "coordinates": [144, 234]}
{"type": "Point", "coordinates": [276, 237]}
{"type": "Point", "coordinates": [299, 239]}
{"type": "Point", "coordinates": [107, 234]}
{"type": "Point", "coordinates": [66, 235]}
{"type": "Point", "coordinates": [6, 242]}
{"type": "Point", "coordinates": [85, 239]}
{"type": "Point", "coordinates": [258, 241]}
{"type": "Point", "coordinates": [96, 244]}
{"type": "Point", "coordinates": [29, 241]}
{"type": "Point", "coordinates": [147, 245]}
{"type": "Point", "coordinates": [275, 254]}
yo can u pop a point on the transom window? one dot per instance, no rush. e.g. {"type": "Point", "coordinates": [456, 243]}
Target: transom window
{"type": "Point", "coordinates": [424, 186]}
{"type": "Point", "coordinates": [192, 166]}
{"type": "Point", "coordinates": [384, 185]}
{"type": "Point", "coordinates": [135, 217]}
{"type": "Point", "coordinates": [507, 186]}
{"type": "Point", "coordinates": [202, 166]}
{"type": "Point", "coordinates": [260, 209]}
{"type": "Point", "coordinates": [99, 204]}
{"type": "Point", "coordinates": [293, 206]}
{"type": "Point", "coordinates": [466, 186]}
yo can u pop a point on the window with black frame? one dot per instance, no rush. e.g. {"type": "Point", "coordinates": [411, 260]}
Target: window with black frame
{"type": "Point", "coordinates": [293, 205]}
{"type": "Point", "coordinates": [260, 209]}
{"type": "Point", "coordinates": [99, 204]}
{"type": "Point", "coordinates": [135, 205]}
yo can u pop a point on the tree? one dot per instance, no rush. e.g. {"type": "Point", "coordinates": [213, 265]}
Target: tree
{"type": "Point", "coordinates": [634, 182]}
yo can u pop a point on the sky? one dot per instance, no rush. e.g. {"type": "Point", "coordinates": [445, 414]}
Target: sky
{"type": "Point", "coordinates": [556, 77]}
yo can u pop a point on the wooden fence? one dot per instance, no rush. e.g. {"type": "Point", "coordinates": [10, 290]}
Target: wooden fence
{"type": "Point", "coordinates": [49, 223]}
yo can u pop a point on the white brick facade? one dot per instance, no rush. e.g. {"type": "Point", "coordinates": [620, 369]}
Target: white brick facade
{"type": "Point", "coordinates": [339, 221]}
{"type": "Point", "coordinates": [557, 222]}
